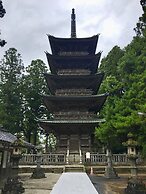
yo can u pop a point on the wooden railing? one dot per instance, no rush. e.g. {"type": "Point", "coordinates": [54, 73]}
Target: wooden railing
{"type": "Point", "coordinates": [102, 159]}
{"type": "Point", "coordinates": [30, 159]}
{"type": "Point", "coordinates": [95, 158]}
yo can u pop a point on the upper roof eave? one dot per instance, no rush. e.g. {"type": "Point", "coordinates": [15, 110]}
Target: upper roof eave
{"type": "Point", "coordinates": [68, 57]}
{"type": "Point", "coordinates": [72, 76]}
{"type": "Point", "coordinates": [53, 38]}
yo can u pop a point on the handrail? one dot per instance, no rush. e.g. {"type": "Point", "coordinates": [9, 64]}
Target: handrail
{"type": "Point", "coordinates": [80, 152]}
{"type": "Point", "coordinates": [67, 156]}
{"type": "Point", "coordinates": [62, 158]}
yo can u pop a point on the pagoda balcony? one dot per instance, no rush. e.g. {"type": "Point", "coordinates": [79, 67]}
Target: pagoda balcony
{"type": "Point", "coordinates": [69, 53]}
{"type": "Point", "coordinates": [73, 92]}
{"type": "Point", "coordinates": [74, 72]}
{"type": "Point", "coordinates": [74, 115]}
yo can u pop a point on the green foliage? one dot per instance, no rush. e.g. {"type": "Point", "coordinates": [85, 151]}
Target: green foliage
{"type": "Point", "coordinates": [140, 26]}
{"type": "Point", "coordinates": [109, 63]}
{"type": "Point", "coordinates": [34, 86]}
{"type": "Point", "coordinates": [20, 94]}
{"type": "Point", "coordinates": [126, 86]}
{"type": "Point", "coordinates": [11, 68]}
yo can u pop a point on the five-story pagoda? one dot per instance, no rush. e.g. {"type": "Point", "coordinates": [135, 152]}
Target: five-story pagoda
{"type": "Point", "coordinates": [74, 82]}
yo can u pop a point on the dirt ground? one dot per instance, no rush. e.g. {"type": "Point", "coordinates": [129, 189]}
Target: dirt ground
{"type": "Point", "coordinates": [45, 185]}
{"type": "Point", "coordinates": [113, 186]}
{"type": "Point", "coordinates": [39, 186]}
{"type": "Point", "coordinates": [102, 184]}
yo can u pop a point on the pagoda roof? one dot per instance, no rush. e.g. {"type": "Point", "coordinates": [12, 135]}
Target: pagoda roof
{"type": "Point", "coordinates": [64, 103]}
{"type": "Point", "coordinates": [70, 126]}
{"type": "Point", "coordinates": [73, 62]}
{"type": "Point", "coordinates": [87, 45]}
{"type": "Point", "coordinates": [92, 82]}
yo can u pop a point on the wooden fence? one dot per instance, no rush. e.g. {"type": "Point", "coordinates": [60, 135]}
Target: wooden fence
{"type": "Point", "coordinates": [95, 158]}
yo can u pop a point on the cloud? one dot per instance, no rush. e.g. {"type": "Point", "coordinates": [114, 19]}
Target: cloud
{"type": "Point", "coordinates": [27, 22]}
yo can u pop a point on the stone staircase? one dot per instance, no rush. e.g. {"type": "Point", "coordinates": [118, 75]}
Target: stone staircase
{"type": "Point", "coordinates": [74, 168]}
{"type": "Point", "coordinates": [74, 158]}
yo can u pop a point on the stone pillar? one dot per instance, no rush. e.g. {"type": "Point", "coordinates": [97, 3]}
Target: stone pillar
{"type": "Point", "coordinates": [46, 144]}
{"type": "Point", "coordinates": [89, 142]}
{"type": "Point", "coordinates": [80, 151]}
{"type": "Point", "coordinates": [67, 153]}
{"type": "Point", "coordinates": [4, 160]}
{"type": "Point", "coordinates": [5, 170]}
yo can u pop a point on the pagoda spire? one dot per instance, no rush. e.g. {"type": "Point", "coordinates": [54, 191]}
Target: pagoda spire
{"type": "Point", "coordinates": [73, 24]}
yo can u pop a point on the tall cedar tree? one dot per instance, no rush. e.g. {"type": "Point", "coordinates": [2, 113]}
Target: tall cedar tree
{"type": "Point", "coordinates": [11, 68]}
{"type": "Point", "coordinates": [109, 65]}
{"type": "Point", "coordinates": [34, 85]}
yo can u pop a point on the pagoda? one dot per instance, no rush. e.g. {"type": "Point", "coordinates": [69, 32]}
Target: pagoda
{"type": "Point", "coordinates": [73, 82]}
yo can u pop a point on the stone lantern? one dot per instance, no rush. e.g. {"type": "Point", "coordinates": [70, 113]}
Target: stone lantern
{"type": "Point", "coordinates": [131, 145]}
{"type": "Point", "coordinates": [13, 183]}
{"type": "Point", "coordinates": [109, 170]}
{"type": "Point", "coordinates": [135, 185]}
{"type": "Point", "coordinates": [16, 154]}
{"type": "Point", "coordinates": [38, 172]}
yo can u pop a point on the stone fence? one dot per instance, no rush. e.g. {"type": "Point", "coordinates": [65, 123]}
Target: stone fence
{"type": "Point", "coordinates": [95, 159]}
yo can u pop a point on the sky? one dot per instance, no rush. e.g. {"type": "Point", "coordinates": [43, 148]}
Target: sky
{"type": "Point", "coordinates": [27, 22]}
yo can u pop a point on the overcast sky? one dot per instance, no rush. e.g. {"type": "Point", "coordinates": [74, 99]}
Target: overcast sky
{"type": "Point", "coordinates": [27, 22]}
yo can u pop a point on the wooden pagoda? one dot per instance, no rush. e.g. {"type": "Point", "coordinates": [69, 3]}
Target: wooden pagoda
{"type": "Point", "coordinates": [74, 82]}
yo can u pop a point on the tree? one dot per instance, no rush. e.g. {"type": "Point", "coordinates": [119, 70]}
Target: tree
{"type": "Point", "coordinates": [141, 24]}
{"type": "Point", "coordinates": [2, 13]}
{"type": "Point", "coordinates": [34, 86]}
{"type": "Point", "coordinates": [11, 68]}
{"type": "Point", "coordinates": [111, 84]}
{"type": "Point", "coordinates": [125, 78]}
{"type": "Point", "coordinates": [126, 96]}
{"type": "Point", "coordinates": [109, 63]}
{"type": "Point", "coordinates": [133, 71]}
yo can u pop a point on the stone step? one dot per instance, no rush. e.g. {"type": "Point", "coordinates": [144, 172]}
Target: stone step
{"type": "Point", "coordinates": [74, 168]}
{"type": "Point", "coordinates": [74, 159]}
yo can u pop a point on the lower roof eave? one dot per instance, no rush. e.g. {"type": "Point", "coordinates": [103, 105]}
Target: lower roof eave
{"type": "Point", "coordinates": [70, 127]}
{"type": "Point", "coordinates": [72, 121]}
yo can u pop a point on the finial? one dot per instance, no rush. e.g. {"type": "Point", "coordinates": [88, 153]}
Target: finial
{"type": "Point", "coordinates": [73, 24]}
